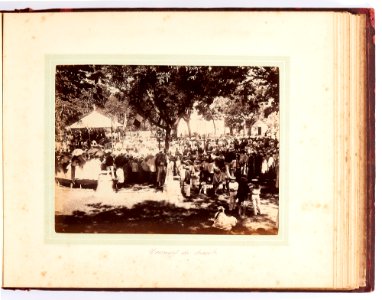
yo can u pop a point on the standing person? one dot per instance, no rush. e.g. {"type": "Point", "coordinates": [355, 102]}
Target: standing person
{"type": "Point", "coordinates": [120, 178]}
{"type": "Point", "coordinates": [229, 157]}
{"type": "Point", "coordinates": [210, 167]}
{"type": "Point", "coordinates": [203, 170]}
{"type": "Point", "coordinates": [277, 166]}
{"type": "Point", "coordinates": [242, 194]}
{"type": "Point", "coordinates": [151, 163]}
{"type": "Point", "coordinates": [170, 169]}
{"type": "Point", "coordinates": [177, 166]}
{"type": "Point", "coordinates": [182, 175]}
{"type": "Point", "coordinates": [161, 165]}
{"type": "Point", "coordinates": [251, 166]}
{"type": "Point", "coordinates": [73, 166]}
{"type": "Point", "coordinates": [233, 187]}
{"type": "Point", "coordinates": [218, 178]}
{"type": "Point", "coordinates": [134, 170]}
{"type": "Point", "coordinates": [243, 162]}
{"type": "Point", "coordinates": [109, 164]}
{"type": "Point", "coordinates": [195, 176]}
{"type": "Point", "coordinates": [256, 190]}
{"type": "Point", "coordinates": [145, 168]}
{"type": "Point", "coordinates": [257, 163]}
{"type": "Point", "coordinates": [264, 167]}
{"type": "Point", "coordinates": [187, 182]}
{"type": "Point", "coordinates": [215, 181]}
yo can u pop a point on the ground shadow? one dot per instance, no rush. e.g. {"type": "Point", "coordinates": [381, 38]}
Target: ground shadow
{"type": "Point", "coordinates": [162, 217]}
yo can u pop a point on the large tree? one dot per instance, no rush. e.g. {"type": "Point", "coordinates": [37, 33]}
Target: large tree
{"type": "Point", "coordinates": [259, 90]}
{"type": "Point", "coordinates": [165, 94]}
{"type": "Point", "coordinates": [216, 83]}
{"type": "Point", "coordinates": [256, 95]}
{"type": "Point", "coordinates": [155, 93]}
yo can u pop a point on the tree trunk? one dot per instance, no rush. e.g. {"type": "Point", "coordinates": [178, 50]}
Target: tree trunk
{"type": "Point", "coordinates": [167, 140]}
{"type": "Point", "coordinates": [175, 131]}
{"type": "Point", "coordinates": [244, 129]}
{"type": "Point", "coordinates": [249, 130]}
{"type": "Point", "coordinates": [124, 121]}
{"type": "Point", "coordinates": [175, 128]}
{"type": "Point", "coordinates": [249, 125]}
{"type": "Point", "coordinates": [230, 130]}
{"type": "Point", "coordinates": [213, 122]}
{"type": "Point", "coordinates": [188, 126]}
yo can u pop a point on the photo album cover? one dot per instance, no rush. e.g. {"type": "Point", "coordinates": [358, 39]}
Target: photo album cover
{"type": "Point", "coordinates": [189, 149]}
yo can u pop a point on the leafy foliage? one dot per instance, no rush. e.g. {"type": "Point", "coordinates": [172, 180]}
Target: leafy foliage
{"type": "Point", "coordinates": [165, 94]}
{"type": "Point", "coordinates": [78, 88]}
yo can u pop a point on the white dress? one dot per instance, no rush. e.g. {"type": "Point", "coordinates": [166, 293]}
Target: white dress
{"type": "Point", "coordinates": [120, 175]}
{"type": "Point", "coordinates": [105, 184]}
{"type": "Point", "coordinates": [222, 221]}
{"type": "Point", "coordinates": [172, 188]}
{"type": "Point", "coordinates": [264, 166]}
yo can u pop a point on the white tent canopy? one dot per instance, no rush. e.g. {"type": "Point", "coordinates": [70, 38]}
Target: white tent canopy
{"type": "Point", "coordinates": [95, 120]}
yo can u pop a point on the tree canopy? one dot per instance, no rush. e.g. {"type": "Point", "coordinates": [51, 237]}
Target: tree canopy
{"type": "Point", "coordinates": [165, 94]}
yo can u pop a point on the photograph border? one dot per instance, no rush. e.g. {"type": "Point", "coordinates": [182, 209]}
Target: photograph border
{"type": "Point", "coordinates": [51, 61]}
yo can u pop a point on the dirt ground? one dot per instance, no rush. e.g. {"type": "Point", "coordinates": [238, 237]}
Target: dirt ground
{"type": "Point", "coordinates": [143, 209]}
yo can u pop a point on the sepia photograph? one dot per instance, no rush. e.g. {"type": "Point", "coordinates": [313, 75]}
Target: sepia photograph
{"type": "Point", "coordinates": [167, 149]}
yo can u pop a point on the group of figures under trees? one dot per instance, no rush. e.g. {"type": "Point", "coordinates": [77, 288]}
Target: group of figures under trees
{"type": "Point", "coordinates": [236, 166]}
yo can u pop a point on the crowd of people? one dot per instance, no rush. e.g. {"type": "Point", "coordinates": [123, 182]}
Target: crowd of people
{"type": "Point", "coordinates": [230, 165]}
{"type": "Point", "coordinates": [254, 157]}
{"type": "Point", "coordinates": [83, 139]}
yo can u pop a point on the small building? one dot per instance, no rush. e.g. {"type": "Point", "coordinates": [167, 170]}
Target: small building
{"type": "Point", "coordinates": [259, 128]}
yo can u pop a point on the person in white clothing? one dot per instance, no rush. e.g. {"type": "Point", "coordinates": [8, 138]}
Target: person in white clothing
{"type": "Point", "coordinates": [256, 199]}
{"type": "Point", "coordinates": [233, 186]}
{"type": "Point", "coordinates": [120, 178]}
{"type": "Point", "coordinates": [222, 221]}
